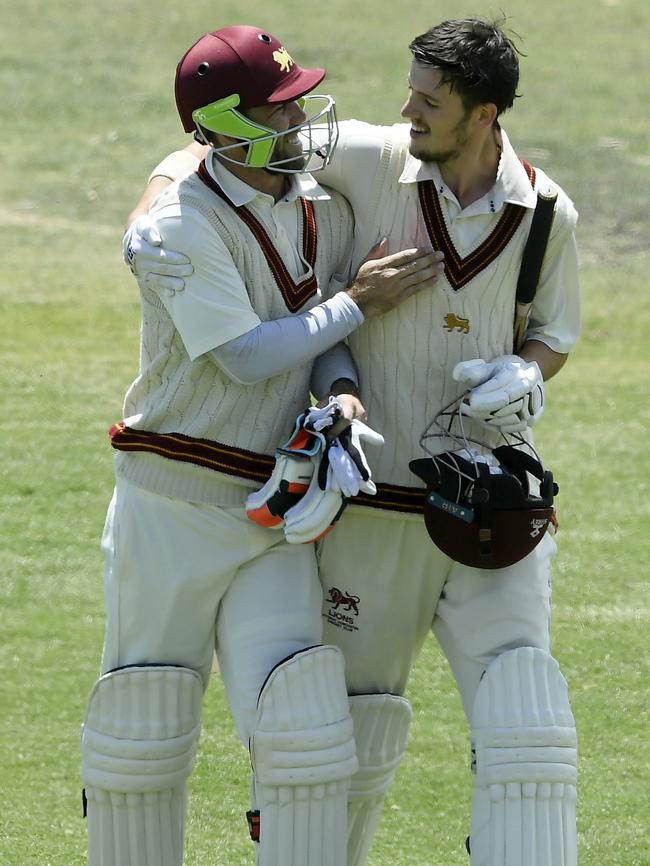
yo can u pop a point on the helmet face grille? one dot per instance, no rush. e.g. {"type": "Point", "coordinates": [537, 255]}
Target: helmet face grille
{"type": "Point", "coordinates": [317, 133]}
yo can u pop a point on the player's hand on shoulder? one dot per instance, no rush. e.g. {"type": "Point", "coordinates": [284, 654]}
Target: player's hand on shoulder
{"type": "Point", "coordinates": [161, 269]}
{"type": "Point", "coordinates": [384, 281]}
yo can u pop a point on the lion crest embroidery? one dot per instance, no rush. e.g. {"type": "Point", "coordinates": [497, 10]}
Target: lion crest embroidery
{"type": "Point", "coordinates": [453, 322]}
{"type": "Point", "coordinates": [351, 602]}
{"type": "Point", "coordinates": [283, 59]}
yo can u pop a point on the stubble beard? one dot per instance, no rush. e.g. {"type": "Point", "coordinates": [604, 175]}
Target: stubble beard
{"type": "Point", "coordinates": [444, 156]}
{"type": "Point", "coordinates": [438, 156]}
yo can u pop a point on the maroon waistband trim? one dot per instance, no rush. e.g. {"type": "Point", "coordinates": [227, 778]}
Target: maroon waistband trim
{"type": "Point", "coordinates": [392, 497]}
{"type": "Point", "coordinates": [201, 452]}
{"type": "Point", "coordinates": [246, 464]}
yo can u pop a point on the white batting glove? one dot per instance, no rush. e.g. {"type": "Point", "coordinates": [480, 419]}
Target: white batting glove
{"type": "Point", "coordinates": [342, 472]}
{"type": "Point", "coordinates": [348, 469]}
{"type": "Point", "coordinates": [295, 463]}
{"type": "Point", "coordinates": [506, 394]}
{"type": "Point", "coordinates": [289, 481]}
{"type": "Point", "coordinates": [472, 373]}
{"type": "Point", "coordinates": [314, 515]}
{"type": "Point", "coordinates": [162, 270]}
{"type": "Point", "coordinates": [318, 419]}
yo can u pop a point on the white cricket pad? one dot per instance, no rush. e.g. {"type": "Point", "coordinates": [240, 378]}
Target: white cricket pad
{"type": "Point", "coordinates": [138, 748]}
{"type": "Point", "coordinates": [381, 725]}
{"type": "Point", "coordinates": [303, 758]}
{"type": "Point", "coordinates": [525, 764]}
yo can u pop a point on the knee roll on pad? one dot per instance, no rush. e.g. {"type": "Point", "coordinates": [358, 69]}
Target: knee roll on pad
{"type": "Point", "coordinates": [138, 748]}
{"type": "Point", "coordinates": [381, 724]}
{"type": "Point", "coordinates": [303, 757]}
{"type": "Point", "coordinates": [525, 764]}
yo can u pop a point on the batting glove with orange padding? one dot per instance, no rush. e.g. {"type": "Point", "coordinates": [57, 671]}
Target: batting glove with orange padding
{"type": "Point", "coordinates": [295, 464]}
{"type": "Point", "coordinates": [342, 473]}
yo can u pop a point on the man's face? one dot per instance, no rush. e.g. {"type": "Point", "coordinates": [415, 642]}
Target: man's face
{"type": "Point", "coordinates": [280, 117]}
{"type": "Point", "coordinates": [441, 126]}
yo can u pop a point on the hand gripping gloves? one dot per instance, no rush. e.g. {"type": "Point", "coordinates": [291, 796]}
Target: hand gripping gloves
{"type": "Point", "coordinates": [340, 472]}
{"type": "Point", "coordinates": [314, 477]}
{"type": "Point", "coordinates": [506, 395]}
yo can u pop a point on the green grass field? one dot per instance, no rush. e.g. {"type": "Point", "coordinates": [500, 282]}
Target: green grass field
{"type": "Point", "coordinates": [88, 110]}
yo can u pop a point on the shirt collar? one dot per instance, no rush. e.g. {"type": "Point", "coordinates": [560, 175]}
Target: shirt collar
{"type": "Point", "coordinates": [511, 185]}
{"type": "Point", "coordinates": [241, 193]}
{"type": "Point", "coordinates": [512, 181]}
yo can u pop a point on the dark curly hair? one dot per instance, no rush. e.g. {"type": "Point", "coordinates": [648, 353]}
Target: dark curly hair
{"type": "Point", "coordinates": [476, 59]}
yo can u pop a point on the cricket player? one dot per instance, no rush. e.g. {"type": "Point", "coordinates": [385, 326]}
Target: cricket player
{"type": "Point", "coordinates": [451, 176]}
{"type": "Point", "coordinates": [225, 369]}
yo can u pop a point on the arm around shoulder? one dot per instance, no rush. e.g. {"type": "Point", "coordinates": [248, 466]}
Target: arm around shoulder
{"type": "Point", "coordinates": [175, 166]}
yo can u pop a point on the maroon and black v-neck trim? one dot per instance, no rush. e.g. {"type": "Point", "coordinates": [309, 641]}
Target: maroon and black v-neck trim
{"type": "Point", "coordinates": [294, 294]}
{"type": "Point", "coordinates": [459, 271]}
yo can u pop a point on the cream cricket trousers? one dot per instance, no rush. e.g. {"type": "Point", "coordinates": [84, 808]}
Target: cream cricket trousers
{"type": "Point", "coordinates": [182, 579]}
{"type": "Point", "coordinates": [386, 585]}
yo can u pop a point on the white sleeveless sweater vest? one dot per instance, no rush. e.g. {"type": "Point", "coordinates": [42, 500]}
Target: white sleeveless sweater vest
{"type": "Point", "coordinates": [216, 438]}
{"type": "Point", "coordinates": [405, 358]}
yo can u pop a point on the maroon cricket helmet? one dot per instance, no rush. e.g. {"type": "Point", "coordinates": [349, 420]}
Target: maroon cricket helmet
{"type": "Point", "coordinates": [243, 60]}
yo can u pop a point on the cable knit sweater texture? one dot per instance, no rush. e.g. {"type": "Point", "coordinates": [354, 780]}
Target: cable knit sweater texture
{"type": "Point", "coordinates": [173, 394]}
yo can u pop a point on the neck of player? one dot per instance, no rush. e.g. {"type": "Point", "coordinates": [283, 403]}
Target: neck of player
{"type": "Point", "coordinates": [473, 172]}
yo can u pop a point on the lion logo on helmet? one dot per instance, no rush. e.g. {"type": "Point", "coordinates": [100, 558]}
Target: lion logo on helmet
{"type": "Point", "coordinates": [283, 59]}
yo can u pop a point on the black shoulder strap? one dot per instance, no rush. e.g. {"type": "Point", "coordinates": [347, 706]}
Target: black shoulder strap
{"type": "Point", "coordinates": [531, 260]}
{"type": "Point", "coordinates": [533, 255]}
